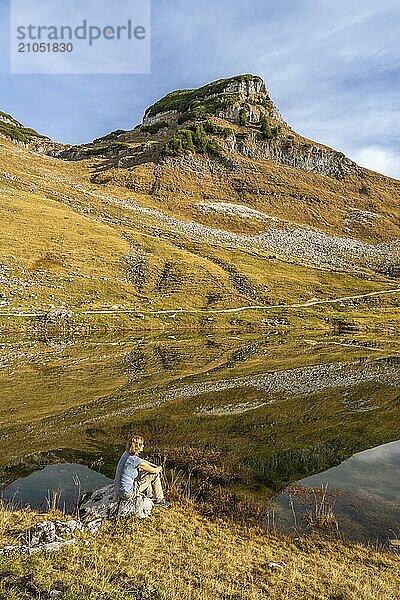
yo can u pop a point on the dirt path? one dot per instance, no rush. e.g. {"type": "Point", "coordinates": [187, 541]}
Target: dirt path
{"type": "Point", "coordinates": [211, 311]}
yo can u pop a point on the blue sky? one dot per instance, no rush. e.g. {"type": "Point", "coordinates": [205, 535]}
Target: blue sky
{"type": "Point", "coordinates": [332, 67]}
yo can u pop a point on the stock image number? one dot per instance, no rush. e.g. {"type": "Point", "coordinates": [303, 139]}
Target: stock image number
{"type": "Point", "coordinates": [45, 47]}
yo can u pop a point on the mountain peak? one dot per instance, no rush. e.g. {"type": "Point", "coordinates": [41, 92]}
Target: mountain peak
{"type": "Point", "coordinates": [233, 99]}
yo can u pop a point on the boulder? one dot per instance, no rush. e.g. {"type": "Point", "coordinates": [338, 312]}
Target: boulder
{"type": "Point", "coordinates": [104, 504]}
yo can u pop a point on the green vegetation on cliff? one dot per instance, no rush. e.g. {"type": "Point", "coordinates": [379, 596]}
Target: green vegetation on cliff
{"type": "Point", "coordinates": [12, 129]}
{"type": "Point", "coordinates": [153, 127]}
{"type": "Point", "coordinates": [193, 139]}
{"type": "Point", "coordinates": [267, 131]}
{"type": "Point", "coordinates": [104, 147]}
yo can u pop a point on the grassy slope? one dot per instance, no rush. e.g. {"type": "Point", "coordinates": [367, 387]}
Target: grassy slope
{"type": "Point", "coordinates": [179, 554]}
{"type": "Point", "coordinates": [62, 243]}
{"type": "Point", "coordinates": [67, 255]}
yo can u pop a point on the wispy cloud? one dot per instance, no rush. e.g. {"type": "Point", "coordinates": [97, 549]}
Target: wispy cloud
{"type": "Point", "coordinates": [379, 159]}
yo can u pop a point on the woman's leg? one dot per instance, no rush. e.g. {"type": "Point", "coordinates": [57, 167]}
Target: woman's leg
{"type": "Point", "coordinates": [151, 482]}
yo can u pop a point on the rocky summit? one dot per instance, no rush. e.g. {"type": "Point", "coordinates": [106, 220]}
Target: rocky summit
{"type": "Point", "coordinates": [212, 203]}
{"type": "Point", "coordinates": [233, 115]}
{"type": "Point", "coordinates": [225, 99]}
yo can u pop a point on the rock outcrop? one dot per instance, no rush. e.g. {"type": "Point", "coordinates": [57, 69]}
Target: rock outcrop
{"type": "Point", "coordinates": [263, 135]}
{"type": "Point", "coordinates": [25, 136]}
{"type": "Point", "coordinates": [293, 151]}
{"type": "Point", "coordinates": [50, 536]}
{"type": "Point", "coordinates": [226, 99]}
{"type": "Point", "coordinates": [103, 504]}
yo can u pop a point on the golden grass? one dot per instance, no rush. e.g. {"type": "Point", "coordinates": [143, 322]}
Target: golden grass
{"type": "Point", "coordinates": [178, 554]}
{"type": "Point", "coordinates": [65, 245]}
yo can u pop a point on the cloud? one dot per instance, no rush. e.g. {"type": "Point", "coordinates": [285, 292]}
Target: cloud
{"type": "Point", "coordinates": [379, 159]}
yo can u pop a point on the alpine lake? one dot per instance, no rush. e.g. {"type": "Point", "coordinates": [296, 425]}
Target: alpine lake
{"type": "Point", "coordinates": [304, 426]}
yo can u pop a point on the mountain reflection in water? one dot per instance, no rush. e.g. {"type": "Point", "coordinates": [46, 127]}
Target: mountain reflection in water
{"type": "Point", "coordinates": [249, 412]}
{"type": "Point", "coordinates": [364, 492]}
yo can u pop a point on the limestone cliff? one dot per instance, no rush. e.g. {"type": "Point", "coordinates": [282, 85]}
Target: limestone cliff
{"type": "Point", "coordinates": [225, 99]}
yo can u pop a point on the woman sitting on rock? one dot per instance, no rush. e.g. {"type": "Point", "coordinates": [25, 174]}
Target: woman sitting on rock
{"type": "Point", "coordinates": [135, 475]}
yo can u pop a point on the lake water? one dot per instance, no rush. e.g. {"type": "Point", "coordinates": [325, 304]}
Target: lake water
{"type": "Point", "coordinates": [59, 486]}
{"type": "Point", "coordinates": [253, 413]}
{"type": "Point", "coordinates": [363, 491]}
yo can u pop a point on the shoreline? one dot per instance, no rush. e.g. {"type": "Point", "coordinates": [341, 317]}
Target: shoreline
{"type": "Point", "coordinates": [311, 316]}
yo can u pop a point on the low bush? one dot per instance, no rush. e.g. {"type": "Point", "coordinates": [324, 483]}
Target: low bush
{"type": "Point", "coordinates": [193, 139]}
{"type": "Point", "coordinates": [268, 133]}
{"type": "Point", "coordinates": [153, 127]}
{"type": "Point", "coordinates": [243, 118]}
{"type": "Point", "coordinates": [214, 128]}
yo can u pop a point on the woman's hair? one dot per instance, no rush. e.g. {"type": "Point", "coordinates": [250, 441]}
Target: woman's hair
{"type": "Point", "coordinates": [134, 444]}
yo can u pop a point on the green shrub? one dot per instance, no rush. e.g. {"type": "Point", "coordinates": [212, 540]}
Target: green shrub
{"type": "Point", "coordinates": [268, 133]}
{"type": "Point", "coordinates": [174, 147]}
{"type": "Point", "coordinates": [181, 143]}
{"type": "Point", "coordinates": [101, 150]}
{"type": "Point", "coordinates": [214, 128]}
{"type": "Point", "coordinates": [229, 99]}
{"type": "Point", "coordinates": [184, 117]}
{"type": "Point", "coordinates": [109, 137]}
{"type": "Point", "coordinates": [153, 127]}
{"type": "Point", "coordinates": [193, 139]}
{"type": "Point", "coordinates": [243, 118]}
{"type": "Point", "coordinates": [200, 138]}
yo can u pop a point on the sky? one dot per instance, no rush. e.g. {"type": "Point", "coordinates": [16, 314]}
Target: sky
{"type": "Point", "coordinates": [332, 68]}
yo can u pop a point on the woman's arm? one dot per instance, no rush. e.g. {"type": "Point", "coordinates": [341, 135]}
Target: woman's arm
{"type": "Point", "coordinates": [148, 467]}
